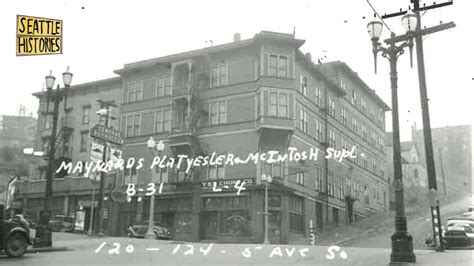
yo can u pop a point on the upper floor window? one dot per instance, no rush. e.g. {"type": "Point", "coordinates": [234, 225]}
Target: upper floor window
{"type": "Point", "coordinates": [364, 132]}
{"type": "Point", "coordinates": [132, 125]}
{"type": "Point", "coordinates": [344, 115]}
{"type": "Point", "coordinates": [331, 183]}
{"type": "Point", "coordinates": [84, 141]}
{"type": "Point", "coordinates": [48, 121]}
{"type": "Point", "coordinates": [319, 97]}
{"type": "Point", "coordinates": [354, 124]}
{"type": "Point", "coordinates": [218, 112]}
{"type": "Point", "coordinates": [354, 97]}
{"type": "Point", "coordinates": [303, 84]}
{"type": "Point", "coordinates": [332, 138]}
{"type": "Point", "coordinates": [219, 75]}
{"type": "Point", "coordinates": [278, 104]}
{"type": "Point", "coordinates": [163, 86]}
{"type": "Point", "coordinates": [342, 85]}
{"type": "Point", "coordinates": [332, 108]}
{"type": "Point", "coordinates": [86, 114]}
{"type": "Point", "coordinates": [319, 130]}
{"type": "Point", "coordinates": [363, 105]}
{"type": "Point", "coordinates": [162, 120]}
{"type": "Point", "coordinates": [135, 91]}
{"type": "Point", "coordinates": [300, 178]}
{"type": "Point", "coordinates": [303, 126]}
{"type": "Point", "coordinates": [319, 179]}
{"type": "Point", "coordinates": [278, 66]}
{"type": "Point", "coordinates": [216, 172]}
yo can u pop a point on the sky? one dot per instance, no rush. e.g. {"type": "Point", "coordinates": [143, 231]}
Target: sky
{"type": "Point", "coordinates": [102, 36]}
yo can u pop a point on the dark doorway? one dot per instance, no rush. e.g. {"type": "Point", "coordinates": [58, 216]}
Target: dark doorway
{"type": "Point", "coordinates": [209, 225]}
{"type": "Point", "coordinates": [319, 215]}
{"type": "Point", "coordinates": [335, 216]}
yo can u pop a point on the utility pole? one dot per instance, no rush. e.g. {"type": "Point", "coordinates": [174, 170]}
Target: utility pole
{"type": "Point", "coordinates": [104, 105]}
{"type": "Point", "coordinates": [418, 35]}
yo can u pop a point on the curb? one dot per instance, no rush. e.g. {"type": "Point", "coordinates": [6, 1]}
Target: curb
{"type": "Point", "coordinates": [48, 249]}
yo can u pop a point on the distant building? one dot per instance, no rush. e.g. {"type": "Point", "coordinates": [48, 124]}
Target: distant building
{"type": "Point", "coordinates": [452, 148]}
{"type": "Point", "coordinates": [17, 131]}
{"type": "Point", "coordinates": [72, 192]}
{"type": "Point", "coordinates": [414, 176]}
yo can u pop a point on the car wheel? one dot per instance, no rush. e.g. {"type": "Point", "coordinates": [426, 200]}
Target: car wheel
{"type": "Point", "coordinates": [16, 245]}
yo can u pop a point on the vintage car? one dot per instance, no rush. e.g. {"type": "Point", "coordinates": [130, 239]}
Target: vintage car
{"type": "Point", "coordinates": [62, 223]}
{"type": "Point", "coordinates": [459, 232]}
{"type": "Point", "coordinates": [139, 231]}
{"type": "Point", "coordinates": [14, 236]}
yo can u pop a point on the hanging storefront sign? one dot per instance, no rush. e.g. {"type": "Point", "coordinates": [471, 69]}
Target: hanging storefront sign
{"type": "Point", "coordinates": [97, 151]}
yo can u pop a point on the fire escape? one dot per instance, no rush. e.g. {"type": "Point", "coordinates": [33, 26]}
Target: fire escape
{"type": "Point", "coordinates": [63, 152]}
{"type": "Point", "coordinates": [189, 77]}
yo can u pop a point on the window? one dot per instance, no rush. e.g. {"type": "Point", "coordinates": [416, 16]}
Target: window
{"type": "Point", "coordinates": [278, 104]}
{"type": "Point", "coordinates": [344, 115]}
{"type": "Point", "coordinates": [300, 178]}
{"type": "Point", "coordinates": [162, 120]}
{"type": "Point", "coordinates": [135, 91]}
{"type": "Point", "coordinates": [374, 165]}
{"type": "Point", "coordinates": [332, 138]}
{"type": "Point", "coordinates": [84, 142]}
{"type": "Point", "coordinates": [274, 169]}
{"type": "Point", "coordinates": [163, 86]}
{"type": "Point", "coordinates": [219, 75]}
{"type": "Point", "coordinates": [45, 142]}
{"type": "Point", "coordinates": [344, 143]}
{"type": "Point", "coordinates": [415, 173]}
{"type": "Point", "coordinates": [342, 85]}
{"type": "Point", "coordinates": [319, 97]}
{"type": "Point", "coordinates": [354, 97]}
{"type": "Point", "coordinates": [362, 105]}
{"type": "Point", "coordinates": [218, 112]}
{"type": "Point", "coordinates": [160, 173]}
{"type": "Point", "coordinates": [364, 132]}
{"type": "Point", "coordinates": [278, 66]}
{"type": "Point", "coordinates": [331, 183]}
{"type": "Point", "coordinates": [354, 124]}
{"type": "Point", "coordinates": [296, 209]}
{"type": "Point", "coordinates": [371, 112]}
{"type": "Point", "coordinates": [303, 84]}
{"type": "Point", "coordinates": [86, 114]}
{"type": "Point", "coordinates": [132, 125]}
{"type": "Point", "coordinates": [48, 121]}
{"type": "Point", "coordinates": [319, 179]}
{"type": "Point", "coordinates": [332, 107]}
{"type": "Point", "coordinates": [319, 130]}
{"type": "Point", "coordinates": [303, 121]}
{"type": "Point", "coordinates": [216, 172]}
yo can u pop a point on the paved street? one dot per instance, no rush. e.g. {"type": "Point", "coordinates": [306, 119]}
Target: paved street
{"type": "Point", "coordinates": [123, 251]}
{"type": "Point", "coordinates": [419, 226]}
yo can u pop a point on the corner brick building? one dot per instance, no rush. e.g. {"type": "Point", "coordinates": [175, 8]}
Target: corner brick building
{"type": "Point", "coordinates": [242, 97]}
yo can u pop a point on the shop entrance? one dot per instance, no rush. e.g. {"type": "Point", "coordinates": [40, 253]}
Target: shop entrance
{"type": "Point", "coordinates": [209, 225]}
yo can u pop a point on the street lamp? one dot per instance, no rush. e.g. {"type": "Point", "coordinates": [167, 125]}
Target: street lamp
{"type": "Point", "coordinates": [43, 233]}
{"type": "Point", "coordinates": [266, 179]}
{"type": "Point", "coordinates": [159, 147]}
{"type": "Point", "coordinates": [402, 242]}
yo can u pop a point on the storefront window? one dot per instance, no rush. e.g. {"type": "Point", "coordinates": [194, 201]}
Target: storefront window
{"type": "Point", "coordinates": [274, 223]}
{"type": "Point", "coordinates": [296, 214]}
{"type": "Point", "coordinates": [234, 222]}
{"type": "Point", "coordinates": [274, 201]}
{"type": "Point", "coordinates": [183, 222]}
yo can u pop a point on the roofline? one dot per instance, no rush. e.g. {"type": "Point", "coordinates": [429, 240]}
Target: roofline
{"type": "Point", "coordinates": [84, 86]}
{"type": "Point", "coordinates": [370, 91]}
{"type": "Point", "coordinates": [318, 71]}
{"type": "Point", "coordinates": [213, 49]}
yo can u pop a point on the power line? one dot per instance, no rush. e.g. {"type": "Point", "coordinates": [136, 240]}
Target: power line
{"type": "Point", "coordinates": [375, 11]}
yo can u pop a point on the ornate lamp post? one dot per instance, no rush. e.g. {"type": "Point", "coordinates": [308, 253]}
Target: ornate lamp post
{"type": "Point", "coordinates": [43, 233]}
{"type": "Point", "coordinates": [159, 147]}
{"type": "Point", "coordinates": [266, 179]}
{"type": "Point", "coordinates": [402, 242]}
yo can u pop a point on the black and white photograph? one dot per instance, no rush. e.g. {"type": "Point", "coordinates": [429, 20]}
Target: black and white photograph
{"type": "Point", "coordinates": [236, 132]}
